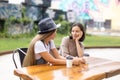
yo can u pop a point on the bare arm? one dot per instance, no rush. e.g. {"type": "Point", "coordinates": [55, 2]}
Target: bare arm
{"type": "Point", "coordinates": [55, 61]}
{"type": "Point", "coordinates": [49, 58]}
{"type": "Point", "coordinates": [56, 54]}
{"type": "Point", "coordinates": [79, 49]}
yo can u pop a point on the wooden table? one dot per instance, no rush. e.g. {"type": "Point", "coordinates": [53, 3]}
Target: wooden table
{"type": "Point", "coordinates": [98, 69]}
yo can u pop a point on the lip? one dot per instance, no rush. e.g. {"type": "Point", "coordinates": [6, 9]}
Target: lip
{"type": "Point", "coordinates": [75, 36]}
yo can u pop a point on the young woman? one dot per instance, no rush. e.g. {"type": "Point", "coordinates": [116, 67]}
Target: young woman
{"type": "Point", "coordinates": [72, 45]}
{"type": "Point", "coordinates": [42, 49]}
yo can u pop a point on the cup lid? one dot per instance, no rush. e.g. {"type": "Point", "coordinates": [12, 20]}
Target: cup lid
{"type": "Point", "coordinates": [69, 57]}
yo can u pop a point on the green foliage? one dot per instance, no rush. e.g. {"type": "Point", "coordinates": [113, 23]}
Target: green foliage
{"type": "Point", "coordinates": [91, 40]}
{"type": "Point", "coordinates": [26, 20]}
{"type": "Point", "coordinates": [65, 26]}
{"type": "Point", "coordinates": [13, 43]}
{"type": "Point", "coordinates": [23, 21]}
{"type": "Point", "coordinates": [64, 29]}
{"type": "Point", "coordinates": [35, 28]}
{"type": "Point", "coordinates": [12, 21]}
{"type": "Point", "coordinates": [4, 35]}
{"type": "Point", "coordinates": [25, 35]}
{"type": "Point", "coordinates": [58, 39]}
{"type": "Point", "coordinates": [7, 44]}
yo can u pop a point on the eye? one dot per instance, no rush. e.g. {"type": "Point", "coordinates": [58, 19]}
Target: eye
{"type": "Point", "coordinates": [77, 31]}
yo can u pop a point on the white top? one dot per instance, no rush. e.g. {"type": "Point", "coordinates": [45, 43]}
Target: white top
{"type": "Point", "coordinates": [42, 47]}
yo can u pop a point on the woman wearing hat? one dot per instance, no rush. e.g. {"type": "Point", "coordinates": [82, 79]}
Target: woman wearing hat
{"type": "Point", "coordinates": [42, 48]}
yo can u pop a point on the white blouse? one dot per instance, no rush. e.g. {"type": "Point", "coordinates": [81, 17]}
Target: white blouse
{"type": "Point", "coordinates": [42, 47]}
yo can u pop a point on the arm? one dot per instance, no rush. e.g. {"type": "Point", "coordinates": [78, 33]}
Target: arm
{"type": "Point", "coordinates": [79, 48]}
{"type": "Point", "coordinates": [64, 50]}
{"type": "Point", "coordinates": [49, 58]}
{"type": "Point", "coordinates": [56, 54]}
{"type": "Point", "coordinates": [76, 60]}
{"type": "Point", "coordinates": [65, 44]}
{"type": "Point", "coordinates": [55, 61]}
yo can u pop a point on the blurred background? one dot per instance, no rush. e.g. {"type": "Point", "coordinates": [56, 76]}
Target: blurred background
{"type": "Point", "coordinates": [19, 19]}
{"type": "Point", "coordinates": [97, 15]}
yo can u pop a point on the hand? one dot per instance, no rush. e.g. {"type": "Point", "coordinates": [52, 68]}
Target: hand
{"type": "Point", "coordinates": [78, 37]}
{"type": "Point", "coordinates": [77, 61]}
{"type": "Point", "coordinates": [82, 60]}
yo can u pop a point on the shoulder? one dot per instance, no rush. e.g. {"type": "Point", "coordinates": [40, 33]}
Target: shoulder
{"type": "Point", "coordinates": [39, 43]}
{"type": "Point", "coordinates": [51, 41]}
{"type": "Point", "coordinates": [66, 38]}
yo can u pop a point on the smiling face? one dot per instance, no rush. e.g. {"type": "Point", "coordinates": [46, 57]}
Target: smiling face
{"type": "Point", "coordinates": [76, 32]}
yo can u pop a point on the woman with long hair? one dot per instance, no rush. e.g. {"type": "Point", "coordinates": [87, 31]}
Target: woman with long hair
{"type": "Point", "coordinates": [72, 45]}
{"type": "Point", "coordinates": [42, 49]}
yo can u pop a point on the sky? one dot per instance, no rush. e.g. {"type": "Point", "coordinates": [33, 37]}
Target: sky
{"type": "Point", "coordinates": [16, 1]}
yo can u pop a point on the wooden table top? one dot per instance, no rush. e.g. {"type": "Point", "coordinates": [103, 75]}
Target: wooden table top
{"type": "Point", "coordinates": [97, 69]}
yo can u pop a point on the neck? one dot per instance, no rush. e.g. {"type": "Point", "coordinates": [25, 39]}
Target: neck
{"type": "Point", "coordinates": [46, 41]}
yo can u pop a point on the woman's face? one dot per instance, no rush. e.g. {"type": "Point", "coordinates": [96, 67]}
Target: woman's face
{"type": "Point", "coordinates": [76, 32]}
{"type": "Point", "coordinates": [53, 35]}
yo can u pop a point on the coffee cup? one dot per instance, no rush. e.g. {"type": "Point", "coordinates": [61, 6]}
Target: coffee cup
{"type": "Point", "coordinates": [69, 61]}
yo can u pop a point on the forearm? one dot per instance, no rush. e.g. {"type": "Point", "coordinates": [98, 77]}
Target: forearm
{"type": "Point", "coordinates": [76, 61]}
{"type": "Point", "coordinates": [79, 49]}
{"type": "Point", "coordinates": [57, 55]}
{"type": "Point", "coordinates": [61, 57]}
{"type": "Point", "coordinates": [58, 62]}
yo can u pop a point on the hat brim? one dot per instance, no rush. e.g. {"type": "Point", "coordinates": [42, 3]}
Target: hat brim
{"type": "Point", "coordinates": [47, 31]}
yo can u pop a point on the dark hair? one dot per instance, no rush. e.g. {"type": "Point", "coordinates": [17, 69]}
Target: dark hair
{"type": "Point", "coordinates": [81, 28]}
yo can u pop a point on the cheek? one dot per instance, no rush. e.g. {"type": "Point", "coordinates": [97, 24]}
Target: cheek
{"type": "Point", "coordinates": [81, 33]}
{"type": "Point", "coordinates": [53, 35]}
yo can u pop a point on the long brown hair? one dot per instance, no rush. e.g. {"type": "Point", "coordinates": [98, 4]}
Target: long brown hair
{"type": "Point", "coordinates": [29, 59]}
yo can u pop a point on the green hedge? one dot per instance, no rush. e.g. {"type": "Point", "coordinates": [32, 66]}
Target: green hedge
{"type": "Point", "coordinates": [65, 26]}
